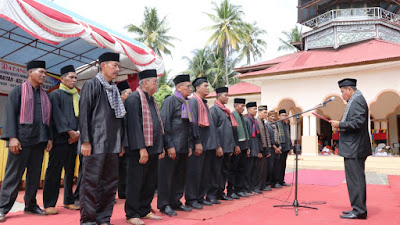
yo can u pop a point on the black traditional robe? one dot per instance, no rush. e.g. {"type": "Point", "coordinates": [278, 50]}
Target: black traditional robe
{"type": "Point", "coordinates": [99, 126]}
{"type": "Point", "coordinates": [287, 145]}
{"type": "Point", "coordinates": [255, 144]}
{"type": "Point", "coordinates": [255, 148]}
{"type": "Point", "coordinates": [141, 178]}
{"type": "Point", "coordinates": [63, 154]}
{"type": "Point", "coordinates": [178, 133]}
{"type": "Point", "coordinates": [355, 147]}
{"type": "Point", "coordinates": [134, 125]}
{"type": "Point", "coordinates": [237, 175]}
{"type": "Point", "coordinates": [97, 122]}
{"type": "Point", "coordinates": [33, 139]}
{"type": "Point", "coordinates": [198, 167]}
{"type": "Point", "coordinates": [207, 136]}
{"type": "Point", "coordinates": [227, 142]}
{"type": "Point", "coordinates": [64, 118]}
{"type": "Point", "coordinates": [27, 134]}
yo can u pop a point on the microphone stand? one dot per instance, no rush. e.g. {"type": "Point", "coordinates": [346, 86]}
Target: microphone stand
{"type": "Point", "coordinates": [296, 204]}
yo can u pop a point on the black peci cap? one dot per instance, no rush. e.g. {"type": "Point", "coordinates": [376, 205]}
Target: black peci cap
{"type": "Point", "coordinates": [181, 78]}
{"type": "Point", "coordinates": [67, 69]}
{"type": "Point", "coordinates": [36, 64]}
{"type": "Point", "coordinates": [251, 104]}
{"type": "Point", "coordinates": [147, 74]}
{"type": "Point", "coordinates": [108, 56]}
{"type": "Point", "coordinates": [347, 82]}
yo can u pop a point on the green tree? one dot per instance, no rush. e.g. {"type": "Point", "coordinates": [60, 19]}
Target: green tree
{"type": "Point", "coordinates": [153, 32]}
{"type": "Point", "coordinates": [199, 65]}
{"type": "Point", "coordinates": [163, 80]}
{"type": "Point", "coordinates": [294, 35]}
{"type": "Point", "coordinates": [222, 69]}
{"type": "Point", "coordinates": [163, 91]}
{"type": "Point", "coordinates": [227, 29]}
{"type": "Point", "coordinates": [252, 45]}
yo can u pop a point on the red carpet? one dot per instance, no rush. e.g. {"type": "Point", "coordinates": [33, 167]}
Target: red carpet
{"type": "Point", "coordinates": [317, 177]}
{"type": "Point", "coordinates": [383, 208]}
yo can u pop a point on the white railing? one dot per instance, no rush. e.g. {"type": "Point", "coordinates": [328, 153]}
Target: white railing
{"type": "Point", "coordinates": [353, 14]}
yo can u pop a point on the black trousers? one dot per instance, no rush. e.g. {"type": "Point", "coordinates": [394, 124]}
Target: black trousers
{"type": "Point", "coordinates": [236, 178]}
{"type": "Point", "coordinates": [263, 173]}
{"type": "Point", "coordinates": [141, 184]}
{"type": "Point", "coordinates": [248, 168]}
{"type": "Point", "coordinates": [30, 157]}
{"type": "Point", "coordinates": [275, 169]}
{"type": "Point", "coordinates": [98, 187]}
{"type": "Point", "coordinates": [171, 180]}
{"type": "Point", "coordinates": [256, 173]}
{"type": "Point", "coordinates": [197, 176]}
{"type": "Point", "coordinates": [62, 155]}
{"type": "Point", "coordinates": [122, 168]}
{"type": "Point", "coordinates": [356, 184]}
{"type": "Point", "coordinates": [78, 182]}
{"type": "Point", "coordinates": [282, 160]}
{"type": "Point", "coordinates": [215, 175]}
{"type": "Point", "coordinates": [226, 167]}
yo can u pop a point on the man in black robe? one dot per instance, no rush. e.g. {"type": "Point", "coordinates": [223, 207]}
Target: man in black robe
{"type": "Point", "coordinates": [101, 113]}
{"type": "Point", "coordinates": [354, 146]}
{"type": "Point", "coordinates": [125, 90]}
{"type": "Point", "coordinates": [224, 123]}
{"type": "Point", "coordinates": [273, 164]}
{"type": "Point", "coordinates": [145, 140]}
{"type": "Point", "coordinates": [264, 135]}
{"type": "Point", "coordinates": [177, 117]}
{"type": "Point", "coordinates": [237, 179]}
{"type": "Point", "coordinates": [256, 151]}
{"type": "Point", "coordinates": [28, 134]}
{"type": "Point", "coordinates": [65, 105]}
{"type": "Point", "coordinates": [286, 143]}
{"type": "Point", "coordinates": [206, 143]}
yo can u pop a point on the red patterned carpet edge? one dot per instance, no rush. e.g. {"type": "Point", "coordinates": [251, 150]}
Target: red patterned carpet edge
{"type": "Point", "coordinates": [317, 177]}
{"type": "Point", "coordinates": [383, 202]}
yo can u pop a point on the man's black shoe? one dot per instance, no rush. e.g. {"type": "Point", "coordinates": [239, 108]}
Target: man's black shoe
{"type": "Point", "coordinates": [346, 212]}
{"type": "Point", "coordinates": [36, 211]}
{"type": "Point", "coordinates": [167, 210]}
{"type": "Point", "coordinates": [276, 186]}
{"type": "Point", "coordinates": [258, 191]}
{"type": "Point", "coordinates": [183, 208]}
{"type": "Point", "coordinates": [267, 189]}
{"type": "Point", "coordinates": [214, 201]}
{"type": "Point", "coordinates": [226, 198]}
{"type": "Point", "coordinates": [205, 202]}
{"type": "Point", "coordinates": [242, 194]}
{"type": "Point", "coordinates": [2, 217]}
{"type": "Point", "coordinates": [285, 184]}
{"type": "Point", "coordinates": [234, 196]}
{"type": "Point", "coordinates": [354, 216]}
{"type": "Point", "coordinates": [194, 205]}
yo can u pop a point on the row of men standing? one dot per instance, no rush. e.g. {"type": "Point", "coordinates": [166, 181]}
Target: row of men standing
{"type": "Point", "coordinates": [199, 143]}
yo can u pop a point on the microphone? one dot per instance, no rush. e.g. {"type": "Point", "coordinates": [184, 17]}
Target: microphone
{"type": "Point", "coordinates": [329, 100]}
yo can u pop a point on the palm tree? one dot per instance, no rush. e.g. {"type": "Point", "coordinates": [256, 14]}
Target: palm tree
{"type": "Point", "coordinates": [163, 80]}
{"type": "Point", "coordinates": [153, 32]}
{"type": "Point", "coordinates": [199, 65]}
{"type": "Point", "coordinates": [291, 36]}
{"type": "Point", "coordinates": [222, 69]}
{"type": "Point", "coordinates": [227, 29]}
{"type": "Point", "coordinates": [252, 45]}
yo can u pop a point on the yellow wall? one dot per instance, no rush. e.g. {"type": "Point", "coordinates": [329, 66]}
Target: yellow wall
{"type": "Point", "coordinates": [3, 162]}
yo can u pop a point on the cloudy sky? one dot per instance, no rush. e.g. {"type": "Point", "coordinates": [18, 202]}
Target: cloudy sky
{"type": "Point", "coordinates": [186, 18]}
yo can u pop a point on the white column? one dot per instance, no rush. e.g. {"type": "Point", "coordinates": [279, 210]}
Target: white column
{"type": "Point", "coordinates": [313, 125]}
{"type": "Point", "coordinates": [306, 125]}
{"type": "Point", "coordinates": [384, 125]}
